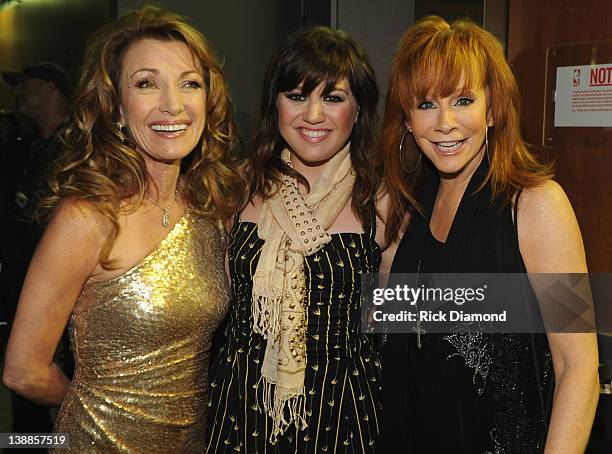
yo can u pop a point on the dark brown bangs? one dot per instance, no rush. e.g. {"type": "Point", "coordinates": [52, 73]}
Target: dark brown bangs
{"type": "Point", "coordinates": [446, 62]}
{"type": "Point", "coordinates": [316, 63]}
{"type": "Point", "coordinates": [311, 82]}
{"type": "Point", "coordinates": [330, 84]}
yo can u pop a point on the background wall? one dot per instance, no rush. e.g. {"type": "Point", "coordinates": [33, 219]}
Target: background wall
{"type": "Point", "coordinates": [585, 173]}
{"type": "Point", "coordinates": [47, 30]}
{"type": "Point", "coordinates": [378, 26]}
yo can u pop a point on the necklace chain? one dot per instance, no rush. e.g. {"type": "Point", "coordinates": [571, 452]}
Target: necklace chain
{"type": "Point", "coordinates": [418, 329]}
{"type": "Point", "coordinates": [166, 210]}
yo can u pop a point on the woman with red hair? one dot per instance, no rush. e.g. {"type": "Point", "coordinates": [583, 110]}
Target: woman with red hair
{"type": "Point", "coordinates": [478, 202]}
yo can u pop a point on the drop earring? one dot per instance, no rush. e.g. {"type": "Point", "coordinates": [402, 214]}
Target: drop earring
{"type": "Point", "coordinates": [487, 145]}
{"type": "Point", "coordinates": [121, 131]}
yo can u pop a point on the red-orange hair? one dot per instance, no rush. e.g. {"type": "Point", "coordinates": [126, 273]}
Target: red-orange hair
{"type": "Point", "coordinates": [432, 59]}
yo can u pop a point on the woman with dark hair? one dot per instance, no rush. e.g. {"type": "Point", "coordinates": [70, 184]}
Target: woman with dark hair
{"type": "Point", "coordinates": [479, 202]}
{"type": "Point", "coordinates": [133, 253]}
{"type": "Point", "coordinates": [295, 374]}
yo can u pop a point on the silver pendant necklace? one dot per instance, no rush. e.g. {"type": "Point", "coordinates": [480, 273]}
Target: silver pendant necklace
{"type": "Point", "coordinates": [166, 210]}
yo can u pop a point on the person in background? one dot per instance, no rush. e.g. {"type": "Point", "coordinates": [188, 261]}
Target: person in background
{"type": "Point", "coordinates": [296, 374]}
{"type": "Point", "coordinates": [13, 151]}
{"type": "Point", "coordinates": [478, 202]}
{"type": "Point", "coordinates": [42, 94]}
{"type": "Point", "coordinates": [133, 253]}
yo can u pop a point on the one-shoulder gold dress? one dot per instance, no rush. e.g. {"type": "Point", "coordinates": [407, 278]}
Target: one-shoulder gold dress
{"type": "Point", "coordinates": [141, 344]}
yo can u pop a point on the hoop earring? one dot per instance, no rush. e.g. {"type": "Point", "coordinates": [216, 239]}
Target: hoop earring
{"type": "Point", "coordinates": [401, 152]}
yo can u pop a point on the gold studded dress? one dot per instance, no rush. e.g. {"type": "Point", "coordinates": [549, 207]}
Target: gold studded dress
{"type": "Point", "coordinates": [141, 343]}
{"type": "Point", "coordinates": [343, 374]}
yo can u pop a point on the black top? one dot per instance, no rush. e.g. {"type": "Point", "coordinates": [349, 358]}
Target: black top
{"type": "Point", "coordinates": [465, 392]}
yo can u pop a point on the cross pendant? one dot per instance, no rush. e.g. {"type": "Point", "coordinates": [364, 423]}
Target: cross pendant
{"type": "Point", "coordinates": [418, 330]}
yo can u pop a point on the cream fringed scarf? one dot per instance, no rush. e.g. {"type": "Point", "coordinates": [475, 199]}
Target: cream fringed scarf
{"type": "Point", "coordinates": [293, 227]}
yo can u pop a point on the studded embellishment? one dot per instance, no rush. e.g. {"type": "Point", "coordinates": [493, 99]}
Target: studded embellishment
{"type": "Point", "coordinates": [326, 334]}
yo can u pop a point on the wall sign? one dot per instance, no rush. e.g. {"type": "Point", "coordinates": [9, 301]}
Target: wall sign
{"type": "Point", "coordinates": [578, 95]}
{"type": "Point", "coordinates": [583, 96]}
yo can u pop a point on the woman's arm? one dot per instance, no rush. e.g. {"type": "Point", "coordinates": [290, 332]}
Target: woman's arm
{"type": "Point", "coordinates": [388, 250]}
{"type": "Point", "coordinates": [550, 242]}
{"type": "Point", "coordinates": [67, 255]}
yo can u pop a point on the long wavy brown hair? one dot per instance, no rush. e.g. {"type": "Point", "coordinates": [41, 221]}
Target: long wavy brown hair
{"type": "Point", "coordinates": [315, 55]}
{"type": "Point", "coordinates": [99, 167]}
{"type": "Point", "coordinates": [431, 60]}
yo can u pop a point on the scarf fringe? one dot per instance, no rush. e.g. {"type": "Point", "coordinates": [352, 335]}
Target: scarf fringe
{"type": "Point", "coordinates": [277, 406]}
{"type": "Point", "coordinates": [266, 308]}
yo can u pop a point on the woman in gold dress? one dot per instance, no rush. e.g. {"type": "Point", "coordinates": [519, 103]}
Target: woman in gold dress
{"type": "Point", "coordinates": [133, 255]}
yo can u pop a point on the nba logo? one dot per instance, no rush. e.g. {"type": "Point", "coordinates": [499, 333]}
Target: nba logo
{"type": "Point", "coordinates": [576, 78]}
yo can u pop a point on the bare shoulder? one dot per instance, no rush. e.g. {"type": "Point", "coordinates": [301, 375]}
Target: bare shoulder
{"type": "Point", "coordinates": [547, 197]}
{"type": "Point", "coordinates": [544, 210]}
{"type": "Point", "coordinates": [80, 221]}
{"type": "Point", "coordinates": [549, 235]}
{"type": "Point", "coordinates": [74, 237]}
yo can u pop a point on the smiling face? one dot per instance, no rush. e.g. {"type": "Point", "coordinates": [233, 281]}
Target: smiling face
{"type": "Point", "coordinates": [451, 131]}
{"type": "Point", "coordinates": [162, 99]}
{"type": "Point", "coordinates": [318, 125]}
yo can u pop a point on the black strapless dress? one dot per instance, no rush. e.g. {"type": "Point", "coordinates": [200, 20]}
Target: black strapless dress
{"type": "Point", "coordinates": [343, 375]}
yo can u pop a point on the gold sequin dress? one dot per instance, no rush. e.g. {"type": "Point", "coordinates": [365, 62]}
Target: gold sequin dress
{"type": "Point", "coordinates": [141, 343]}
